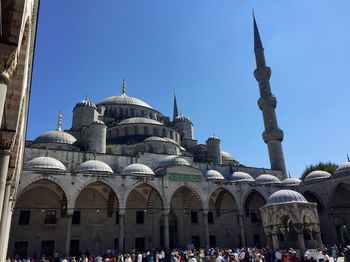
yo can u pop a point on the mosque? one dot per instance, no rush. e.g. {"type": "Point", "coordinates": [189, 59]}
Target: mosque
{"type": "Point", "coordinates": [125, 176]}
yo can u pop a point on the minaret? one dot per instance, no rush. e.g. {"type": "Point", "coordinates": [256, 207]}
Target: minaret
{"type": "Point", "coordinates": [176, 112]}
{"type": "Point", "coordinates": [124, 87]}
{"type": "Point", "coordinates": [273, 136]}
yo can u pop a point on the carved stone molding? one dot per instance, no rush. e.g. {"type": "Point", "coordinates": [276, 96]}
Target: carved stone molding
{"type": "Point", "coordinates": [8, 61]}
{"type": "Point", "coordinates": [7, 140]}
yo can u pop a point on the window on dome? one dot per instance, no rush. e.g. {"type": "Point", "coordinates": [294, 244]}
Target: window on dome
{"type": "Point", "coordinates": [136, 130]}
{"type": "Point", "coordinates": [171, 135]}
{"type": "Point", "coordinates": [145, 130]}
{"type": "Point", "coordinates": [155, 132]}
{"type": "Point", "coordinates": [164, 132]}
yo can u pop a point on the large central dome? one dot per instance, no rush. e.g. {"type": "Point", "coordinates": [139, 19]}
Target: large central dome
{"type": "Point", "coordinates": [123, 99]}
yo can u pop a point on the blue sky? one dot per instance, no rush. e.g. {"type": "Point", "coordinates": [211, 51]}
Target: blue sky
{"type": "Point", "coordinates": [204, 50]}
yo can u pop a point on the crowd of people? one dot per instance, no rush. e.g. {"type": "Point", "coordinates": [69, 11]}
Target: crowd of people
{"type": "Point", "coordinates": [201, 255]}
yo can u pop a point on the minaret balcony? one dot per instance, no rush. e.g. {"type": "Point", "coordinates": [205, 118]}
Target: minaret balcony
{"type": "Point", "coordinates": [272, 135]}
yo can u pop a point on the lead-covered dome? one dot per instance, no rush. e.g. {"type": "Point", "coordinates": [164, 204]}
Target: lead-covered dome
{"type": "Point", "coordinates": [291, 181]}
{"type": "Point", "coordinates": [140, 120]}
{"type": "Point", "coordinates": [85, 103]}
{"type": "Point", "coordinates": [182, 118]}
{"type": "Point", "coordinates": [44, 162]}
{"type": "Point", "coordinates": [267, 179]}
{"type": "Point", "coordinates": [56, 136]}
{"type": "Point", "coordinates": [318, 174]}
{"type": "Point", "coordinates": [342, 170]}
{"type": "Point", "coordinates": [226, 156]}
{"type": "Point", "coordinates": [92, 166]}
{"type": "Point", "coordinates": [240, 177]}
{"type": "Point", "coordinates": [137, 169]}
{"type": "Point", "coordinates": [157, 139]}
{"type": "Point", "coordinates": [213, 174]}
{"type": "Point", "coordinates": [173, 161]}
{"type": "Point", "coordinates": [286, 196]}
{"type": "Point", "coordinates": [124, 100]}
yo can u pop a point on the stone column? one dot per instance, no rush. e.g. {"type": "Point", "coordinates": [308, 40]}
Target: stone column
{"type": "Point", "coordinates": [166, 229]}
{"type": "Point", "coordinates": [7, 141]}
{"type": "Point", "coordinates": [4, 165]}
{"type": "Point", "coordinates": [68, 232]}
{"type": "Point", "coordinates": [5, 220]}
{"type": "Point", "coordinates": [241, 226]}
{"type": "Point", "coordinates": [275, 242]}
{"type": "Point", "coordinates": [121, 229]}
{"type": "Point", "coordinates": [301, 243]}
{"type": "Point", "coordinates": [206, 228]}
{"type": "Point", "coordinates": [318, 236]}
{"type": "Point", "coordinates": [269, 240]}
{"type": "Point", "coordinates": [4, 82]}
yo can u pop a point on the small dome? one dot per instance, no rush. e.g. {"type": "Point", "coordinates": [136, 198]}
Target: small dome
{"type": "Point", "coordinates": [213, 174]}
{"type": "Point", "coordinates": [213, 137]}
{"type": "Point", "coordinates": [98, 122]}
{"type": "Point", "coordinates": [137, 169]}
{"type": "Point", "coordinates": [124, 100]}
{"type": "Point", "coordinates": [91, 166]}
{"type": "Point", "coordinates": [158, 139]}
{"type": "Point", "coordinates": [140, 120]}
{"type": "Point", "coordinates": [290, 181]}
{"type": "Point", "coordinates": [173, 161]}
{"type": "Point", "coordinates": [85, 103]}
{"type": "Point", "coordinates": [182, 118]}
{"type": "Point", "coordinates": [343, 170]}
{"type": "Point", "coordinates": [318, 174]}
{"type": "Point", "coordinates": [44, 162]}
{"type": "Point", "coordinates": [267, 179]}
{"type": "Point", "coordinates": [226, 156]}
{"type": "Point", "coordinates": [56, 137]}
{"type": "Point", "coordinates": [286, 196]}
{"type": "Point", "coordinates": [240, 177]}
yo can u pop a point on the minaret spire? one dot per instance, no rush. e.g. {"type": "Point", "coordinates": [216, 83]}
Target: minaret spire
{"type": "Point", "coordinates": [176, 112]}
{"type": "Point", "coordinates": [59, 122]}
{"type": "Point", "coordinates": [124, 87]}
{"type": "Point", "coordinates": [273, 135]}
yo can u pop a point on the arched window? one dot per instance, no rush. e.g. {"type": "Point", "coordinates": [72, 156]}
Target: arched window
{"type": "Point", "coordinates": [136, 130]}
{"type": "Point", "coordinates": [164, 132]}
{"type": "Point", "coordinates": [155, 132]}
{"type": "Point", "coordinates": [145, 130]}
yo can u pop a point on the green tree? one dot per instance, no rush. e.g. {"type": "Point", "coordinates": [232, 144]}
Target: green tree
{"type": "Point", "coordinates": [328, 166]}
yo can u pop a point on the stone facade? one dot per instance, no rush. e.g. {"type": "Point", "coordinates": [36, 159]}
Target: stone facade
{"type": "Point", "coordinates": [17, 37]}
{"type": "Point", "coordinates": [125, 176]}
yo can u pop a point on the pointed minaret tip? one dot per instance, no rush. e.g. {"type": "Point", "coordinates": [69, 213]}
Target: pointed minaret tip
{"type": "Point", "coordinates": [124, 87]}
{"type": "Point", "coordinates": [176, 111]}
{"type": "Point", "coordinates": [59, 122]}
{"type": "Point", "coordinates": [257, 39]}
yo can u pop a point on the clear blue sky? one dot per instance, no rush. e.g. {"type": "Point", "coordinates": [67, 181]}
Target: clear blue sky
{"type": "Point", "coordinates": [203, 49]}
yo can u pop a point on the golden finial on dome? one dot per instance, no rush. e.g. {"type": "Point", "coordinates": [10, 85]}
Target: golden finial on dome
{"type": "Point", "coordinates": [124, 87]}
{"type": "Point", "coordinates": [59, 122]}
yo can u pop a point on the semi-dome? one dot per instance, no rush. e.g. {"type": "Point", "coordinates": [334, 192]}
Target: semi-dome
{"type": "Point", "coordinates": [226, 156]}
{"type": "Point", "coordinates": [124, 100]}
{"type": "Point", "coordinates": [240, 177]}
{"type": "Point", "coordinates": [267, 179]}
{"type": "Point", "coordinates": [91, 166]}
{"type": "Point", "coordinates": [98, 121]}
{"type": "Point", "coordinates": [140, 120]}
{"type": "Point", "coordinates": [182, 118]}
{"type": "Point", "coordinates": [286, 196]}
{"type": "Point", "coordinates": [158, 139]}
{"type": "Point", "coordinates": [213, 174]}
{"type": "Point", "coordinates": [343, 170]}
{"type": "Point", "coordinates": [174, 161]}
{"type": "Point", "coordinates": [137, 169]}
{"type": "Point", "coordinates": [291, 181]}
{"type": "Point", "coordinates": [56, 136]}
{"type": "Point", "coordinates": [85, 103]}
{"type": "Point", "coordinates": [318, 174]}
{"type": "Point", "coordinates": [44, 162]}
